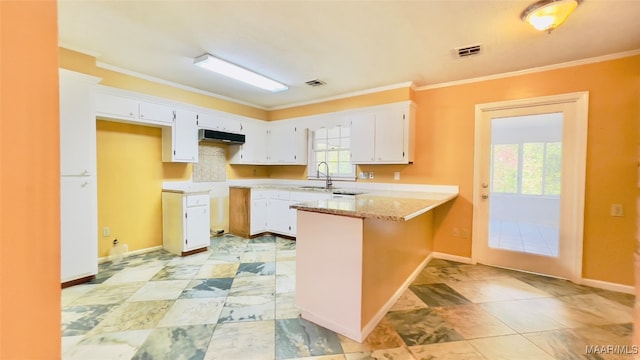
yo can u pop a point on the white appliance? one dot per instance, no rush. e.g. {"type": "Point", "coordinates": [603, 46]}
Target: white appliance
{"type": "Point", "coordinates": [78, 190]}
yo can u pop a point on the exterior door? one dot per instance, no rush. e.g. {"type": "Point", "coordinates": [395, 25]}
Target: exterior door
{"type": "Point", "coordinates": [529, 184]}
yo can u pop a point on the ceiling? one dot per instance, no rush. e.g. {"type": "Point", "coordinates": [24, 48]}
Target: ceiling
{"type": "Point", "coordinates": [351, 45]}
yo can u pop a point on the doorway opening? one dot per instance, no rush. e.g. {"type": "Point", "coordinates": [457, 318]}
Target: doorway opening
{"type": "Point", "coordinates": [526, 175]}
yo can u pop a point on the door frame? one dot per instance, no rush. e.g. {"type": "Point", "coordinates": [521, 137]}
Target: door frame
{"type": "Point", "coordinates": [580, 101]}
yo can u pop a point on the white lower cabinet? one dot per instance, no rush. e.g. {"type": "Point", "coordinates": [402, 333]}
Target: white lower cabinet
{"type": "Point", "coordinates": [271, 212]}
{"type": "Point", "coordinates": [78, 225]}
{"type": "Point", "coordinates": [278, 217]}
{"type": "Point", "coordinates": [258, 216]}
{"type": "Point", "coordinates": [185, 222]}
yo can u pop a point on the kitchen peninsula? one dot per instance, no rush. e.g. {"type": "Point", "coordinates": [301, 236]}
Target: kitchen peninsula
{"type": "Point", "coordinates": [355, 256]}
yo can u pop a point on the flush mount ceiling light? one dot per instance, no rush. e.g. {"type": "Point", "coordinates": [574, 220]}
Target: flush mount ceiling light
{"type": "Point", "coordinates": [546, 15]}
{"type": "Point", "coordinates": [236, 72]}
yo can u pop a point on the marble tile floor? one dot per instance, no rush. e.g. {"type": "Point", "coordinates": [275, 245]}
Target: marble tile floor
{"type": "Point", "coordinates": [236, 301]}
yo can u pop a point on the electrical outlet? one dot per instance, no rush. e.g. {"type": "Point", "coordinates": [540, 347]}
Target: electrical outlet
{"type": "Point", "coordinates": [370, 174]}
{"type": "Point", "coordinates": [617, 210]}
{"type": "Point", "coordinates": [456, 232]}
{"type": "Point", "coordinates": [396, 175]}
{"type": "Point", "coordinates": [106, 231]}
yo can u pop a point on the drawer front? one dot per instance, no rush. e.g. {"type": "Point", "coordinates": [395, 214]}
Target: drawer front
{"type": "Point", "coordinates": [259, 194]}
{"type": "Point", "coordinates": [280, 195]}
{"type": "Point", "coordinates": [305, 196]}
{"type": "Point", "coordinates": [197, 200]}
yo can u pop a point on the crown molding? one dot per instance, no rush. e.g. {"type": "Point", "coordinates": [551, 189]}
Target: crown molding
{"type": "Point", "coordinates": [586, 61]}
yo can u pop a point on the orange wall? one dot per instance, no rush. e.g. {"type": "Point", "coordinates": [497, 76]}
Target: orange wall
{"type": "Point", "coordinates": [377, 98]}
{"type": "Point", "coordinates": [29, 181]}
{"type": "Point", "coordinates": [445, 149]}
{"type": "Point", "coordinates": [445, 129]}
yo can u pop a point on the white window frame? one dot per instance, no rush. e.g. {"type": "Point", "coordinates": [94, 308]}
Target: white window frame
{"type": "Point", "coordinates": [313, 165]}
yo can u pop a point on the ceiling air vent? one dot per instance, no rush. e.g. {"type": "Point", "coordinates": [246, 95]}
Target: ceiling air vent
{"type": "Point", "coordinates": [315, 82]}
{"type": "Point", "coordinates": [468, 50]}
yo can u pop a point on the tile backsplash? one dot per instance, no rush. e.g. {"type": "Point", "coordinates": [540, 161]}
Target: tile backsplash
{"type": "Point", "coordinates": [211, 165]}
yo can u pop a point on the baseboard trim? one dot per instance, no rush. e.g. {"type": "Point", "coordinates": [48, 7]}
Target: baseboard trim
{"type": "Point", "coordinates": [627, 289]}
{"type": "Point", "coordinates": [370, 326]}
{"type": "Point", "coordinates": [456, 258]}
{"type": "Point", "coordinates": [105, 259]}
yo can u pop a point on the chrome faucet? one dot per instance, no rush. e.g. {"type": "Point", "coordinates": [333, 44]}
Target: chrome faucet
{"type": "Point", "coordinates": [328, 183]}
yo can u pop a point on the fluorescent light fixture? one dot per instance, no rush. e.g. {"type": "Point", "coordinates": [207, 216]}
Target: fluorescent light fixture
{"type": "Point", "coordinates": [546, 15]}
{"type": "Point", "coordinates": [236, 72]}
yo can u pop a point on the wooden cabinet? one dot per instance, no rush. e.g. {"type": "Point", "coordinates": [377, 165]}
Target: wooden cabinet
{"type": "Point", "coordinates": [185, 222]}
{"type": "Point", "coordinates": [384, 135]}
{"type": "Point", "coordinates": [180, 141]}
{"type": "Point", "coordinates": [240, 211]}
{"type": "Point", "coordinates": [78, 190]}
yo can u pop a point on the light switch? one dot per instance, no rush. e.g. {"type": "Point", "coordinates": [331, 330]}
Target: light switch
{"type": "Point", "coordinates": [396, 175]}
{"type": "Point", "coordinates": [106, 231]}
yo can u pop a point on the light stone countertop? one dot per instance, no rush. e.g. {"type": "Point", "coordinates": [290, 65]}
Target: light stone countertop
{"type": "Point", "coordinates": [187, 191]}
{"type": "Point", "coordinates": [392, 206]}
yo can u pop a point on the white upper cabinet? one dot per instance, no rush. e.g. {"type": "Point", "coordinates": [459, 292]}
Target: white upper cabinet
{"type": "Point", "coordinates": [271, 143]}
{"type": "Point", "coordinates": [207, 120]}
{"type": "Point", "coordinates": [287, 144]}
{"type": "Point", "coordinates": [384, 135]}
{"type": "Point", "coordinates": [155, 113]}
{"type": "Point", "coordinates": [127, 109]}
{"type": "Point", "coordinates": [180, 142]}
{"type": "Point", "coordinates": [253, 151]}
{"type": "Point", "coordinates": [116, 107]}
{"type": "Point", "coordinates": [77, 124]}
{"type": "Point", "coordinates": [362, 141]}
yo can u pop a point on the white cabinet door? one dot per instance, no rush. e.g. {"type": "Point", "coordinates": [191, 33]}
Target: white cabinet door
{"type": "Point", "coordinates": [279, 216]}
{"type": "Point", "coordinates": [185, 136]}
{"type": "Point", "coordinates": [287, 144]}
{"type": "Point", "coordinates": [230, 124]}
{"type": "Point", "coordinates": [208, 121]}
{"type": "Point", "coordinates": [254, 150]}
{"type": "Point", "coordinates": [362, 142]}
{"type": "Point", "coordinates": [155, 113]}
{"type": "Point", "coordinates": [258, 219]}
{"type": "Point", "coordinates": [300, 149]}
{"type": "Point", "coordinates": [280, 141]}
{"type": "Point", "coordinates": [197, 227]}
{"type": "Point", "coordinates": [78, 225]}
{"type": "Point", "coordinates": [389, 136]}
{"type": "Point", "coordinates": [116, 107]}
{"type": "Point", "coordinates": [77, 126]}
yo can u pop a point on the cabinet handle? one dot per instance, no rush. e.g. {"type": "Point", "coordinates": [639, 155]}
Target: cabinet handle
{"type": "Point", "coordinates": [141, 115]}
{"type": "Point", "coordinates": [130, 114]}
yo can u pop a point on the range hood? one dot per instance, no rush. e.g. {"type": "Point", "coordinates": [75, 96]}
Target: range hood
{"type": "Point", "coordinates": [220, 137]}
